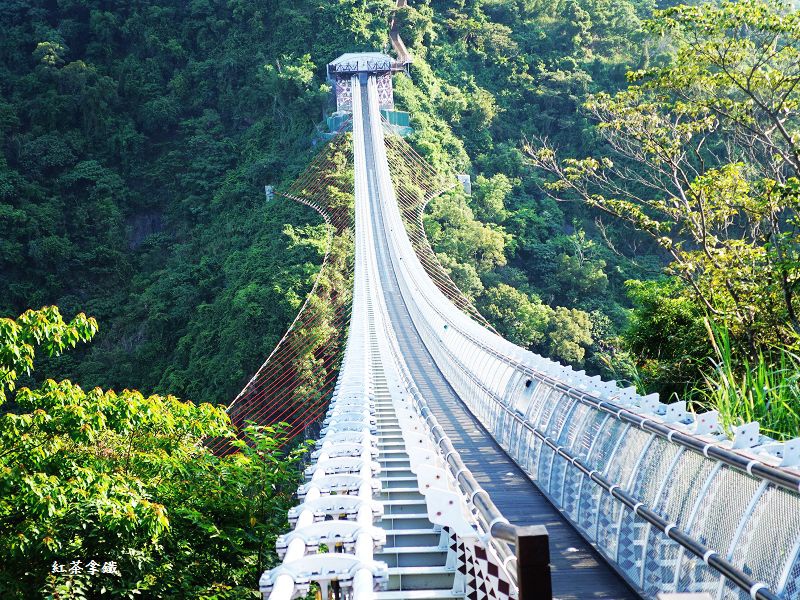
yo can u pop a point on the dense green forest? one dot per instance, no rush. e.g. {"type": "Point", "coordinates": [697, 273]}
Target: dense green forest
{"type": "Point", "coordinates": [137, 139]}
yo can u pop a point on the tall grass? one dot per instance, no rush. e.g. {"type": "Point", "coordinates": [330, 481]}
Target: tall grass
{"type": "Point", "coordinates": [766, 389]}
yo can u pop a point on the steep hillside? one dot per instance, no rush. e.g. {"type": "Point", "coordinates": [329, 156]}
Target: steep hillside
{"type": "Point", "coordinates": [487, 77]}
{"type": "Point", "coordinates": [137, 138]}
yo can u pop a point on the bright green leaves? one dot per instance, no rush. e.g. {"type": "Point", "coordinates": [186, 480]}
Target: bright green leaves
{"type": "Point", "coordinates": [518, 318]}
{"type": "Point", "coordinates": [562, 333]}
{"type": "Point", "coordinates": [292, 84]}
{"type": "Point", "coordinates": [765, 389]}
{"type": "Point", "coordinates": [490, 196]}
{"type": "Point", "coordinates": [667, 361]}
{"type": "Point", "coordinates": [125, 477]}
{"type": "Point", "coordinates": [569, 334]}
{"type": "Point", "coordinates": [579, 271]}
{"type": "Point", "coordinates": [701, 154]}
{"type": "Point", "coordinates": [44, 329]}
{"type": "Point", "coordinates": [453, 230]}
{"type": "Point", "coordinates": [50, 54]}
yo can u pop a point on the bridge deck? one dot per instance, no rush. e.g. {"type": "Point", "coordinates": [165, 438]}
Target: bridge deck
{"type": "Point", "coordinates": [578, 571]}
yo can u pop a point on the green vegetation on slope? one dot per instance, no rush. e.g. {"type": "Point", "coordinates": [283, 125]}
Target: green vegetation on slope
{"type": "Point", "coordinates": [94, 480]}
{"type": "Point", "coordinates": [549, 276]}
{"type": "Point", "coordinates": [684, 213]}
{"type": "Point", "coordinates": [702, 154]}
{"type": "Point", "coordinates": [136, 141]}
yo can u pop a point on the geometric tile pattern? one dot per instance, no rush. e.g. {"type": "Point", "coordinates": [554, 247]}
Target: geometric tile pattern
{"type": "Point", "coordinates": [385, 93]}
{"type": "Point", "coordinates": [344, 94]}
{"type": "Point", "coordinates": [484, 579]}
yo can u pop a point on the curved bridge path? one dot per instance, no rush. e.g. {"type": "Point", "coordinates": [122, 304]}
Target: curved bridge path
{"type": "Point", "coordinates": [422, 487]}
{"type": "Point", "coordinates": [578, 571]}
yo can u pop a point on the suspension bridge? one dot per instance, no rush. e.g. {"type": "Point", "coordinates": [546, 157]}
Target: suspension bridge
{"type": "Point", "coordinates": [450, 463]}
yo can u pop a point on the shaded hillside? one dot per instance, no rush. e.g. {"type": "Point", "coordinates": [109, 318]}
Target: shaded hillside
{"type": "Point", "coordinates": [137, 139]}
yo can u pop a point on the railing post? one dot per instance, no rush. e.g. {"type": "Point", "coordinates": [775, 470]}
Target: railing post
{"type": "Point", "coordinates": [532, 545]}
{"type": "Point", "coordinates": [533, 563]}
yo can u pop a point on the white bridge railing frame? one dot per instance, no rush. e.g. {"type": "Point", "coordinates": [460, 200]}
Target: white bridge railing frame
{"type": "Point", "coordinates": [538, 410]}
{"type": "Point", "coordinates": [483, 517]}
{"type": "Point", "coordinates": [342, 478]}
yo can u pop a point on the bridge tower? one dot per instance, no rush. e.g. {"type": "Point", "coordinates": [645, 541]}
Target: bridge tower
{"type": "Point", "coordinates": [366, 64]}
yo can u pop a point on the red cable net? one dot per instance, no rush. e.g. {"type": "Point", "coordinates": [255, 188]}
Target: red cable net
{"type": "Point", "coordinates": [416, 183]}
{"type": "Point", "coordinates": [294, 384]}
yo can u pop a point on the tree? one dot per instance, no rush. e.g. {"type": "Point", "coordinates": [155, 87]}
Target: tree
{"type": "Point", "coordinates": [292, 85]}
{"type": "Point", "coordinates": [569, 334]}
{"type": "Point", "coordinates": [95, 478]}
{"type": "Point", "coordinates": [43, 328]}
{"type": "Point", "coordinates": [467, 240]}
{"type": "Point", "coordinates": [463, 275]}
{"type": "Point", "coordinates": [518, 318]}
{"type": "Point", "coordinates": [579, 272]}
{"type": "Point", "coordinates": [490, 196]}
{"type": "Point", "coordinates": [703, 154]}
{"type": "Point", "coordinates": [667, 335]}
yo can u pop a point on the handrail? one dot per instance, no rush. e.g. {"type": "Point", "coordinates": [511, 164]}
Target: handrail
{"type": "Point", "coordinates": [756, 589]}
{"type": "Point", "coordinates": [531, 552]}
{"type": "Point", "coordinates": [405, 262]}
{"type": "Point", "coordinates": [755, 467]}
{"type": "Point", "coordinates": [671, 530]}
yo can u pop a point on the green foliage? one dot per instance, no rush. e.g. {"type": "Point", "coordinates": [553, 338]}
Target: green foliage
{"type": "Point", "coordinates": [516, 316]}
{"type": "Point", "coordinates": [490, 197]}
{"type": "Point", "coordinates": [464, 275]}
{"type": "Point", "coordinates": [136, 141]}
{"type": "Point", "coordinates": [766, 390]}
{"type": "Point", "coordinates": [120, 477]}
{"type": "Point", "coordinates": [562, 333]}
{"type": "Point", "coordinates": [569, 333]}
{"type": "Point", "coordinates": [43, 328]}
{"type": "Point", "coordinates": [704, 156]}
{"type": "Point", "coordinates": [667, 362]}
{"type": "Point", "coordinates": [580, 273]}
{"type": "Point", "coordinates": [454, 231]}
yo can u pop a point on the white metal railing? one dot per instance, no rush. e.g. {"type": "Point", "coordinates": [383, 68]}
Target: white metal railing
{"type": "Point", "coordinates": [342, 478]}
{"type": "Point", "coordinates": [663, 494]}
{"type": "Point", "coordinates": [454, 498]}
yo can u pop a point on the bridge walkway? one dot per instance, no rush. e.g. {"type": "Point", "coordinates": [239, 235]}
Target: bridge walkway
{"type": "Point", "coordinates": [578, 572]}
